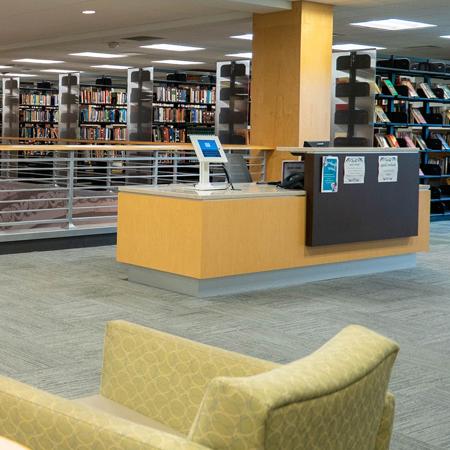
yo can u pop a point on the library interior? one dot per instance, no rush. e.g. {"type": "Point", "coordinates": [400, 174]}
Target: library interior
{"type": "Point", "coordinates": [225, 225]}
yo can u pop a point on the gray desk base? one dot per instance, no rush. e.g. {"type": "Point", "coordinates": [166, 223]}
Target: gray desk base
{"type": "Point", "coordinates": [266, 280]}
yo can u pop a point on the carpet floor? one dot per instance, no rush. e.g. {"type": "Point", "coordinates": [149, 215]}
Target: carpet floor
{"type": "Point", "coordinates": [54, 306]}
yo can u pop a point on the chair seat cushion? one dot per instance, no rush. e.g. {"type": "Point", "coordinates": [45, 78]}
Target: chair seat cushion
{"type": "Point", "coordinates": [116, 409]}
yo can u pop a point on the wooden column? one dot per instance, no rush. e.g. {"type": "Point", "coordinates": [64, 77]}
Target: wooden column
{"type": "Point", "coordinates": [291, 78]}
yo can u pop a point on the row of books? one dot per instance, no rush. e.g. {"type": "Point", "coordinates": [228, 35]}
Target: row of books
{"type": "Point", "coordinates": [102, 96]}
{"type": "Point", "coordinates": [181, 115]}
{"type": "Point", "coordinates": [436, 141]}
{"type": "Point", "coordinates": [104, 133]}
{"type": "Point", "coordinates": [423, 90]}
{"type": "Point", "coordinates": [92, 114]}
{"type": "Point", "coordinates": [33, 131]}
{"type": "Point", "coordinates": [39, 99]}
{"type": "Point", "coordinates": [416, 116]}
{"type": "Point", "coordinates": [36, 115]}
{"type": "Point", "coordinates": [193, 95]}
{"type": "Point", "coordinates": [169, 134]}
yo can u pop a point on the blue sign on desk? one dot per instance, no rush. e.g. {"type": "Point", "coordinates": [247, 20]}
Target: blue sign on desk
{"type": "Point", "coordinates": [330, 174]}
{"type": "Point", "coordinates": [209, 148]}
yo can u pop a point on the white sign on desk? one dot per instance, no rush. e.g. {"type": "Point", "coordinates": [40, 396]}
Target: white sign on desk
{"type": "Point", "coordinates": [354, 169]}
{"type": "Point", "coordinates": [387, 169]}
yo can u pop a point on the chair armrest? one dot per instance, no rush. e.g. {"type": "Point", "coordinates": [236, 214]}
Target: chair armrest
{"type": "Point", "coordinates": [43, 421]}
{"type": "Point", "coordinates": [386, 424]}
{"type": "Point", "coordinates": [162, 376]}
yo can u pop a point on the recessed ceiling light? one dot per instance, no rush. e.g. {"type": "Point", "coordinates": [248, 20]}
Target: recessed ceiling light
{"type": "Point", "coordinates": [61, 71]}
{"type": "Point", "coordinates": [38, 61]}
{"type": "Point", "coordinates": [247, 37]}
{"type": "Point", "coordinates": [111, 66]}
{"type": "Point", "coordinates": [393, 24]}
{"type": "Point", "coordinates": [241, 55]}
{"type": "Point", "coordinates": [177, 62]}
{"type": "Point", "coordinates": [88, 11]}
{"type": "Point", "coordinates": [18, 75]}
{"type": "Point", "coordinates": [349, 47]}
{"type": "Point", "coordinates": [99, 55]}
{"type": "Point", "coordinates": [172, 47]}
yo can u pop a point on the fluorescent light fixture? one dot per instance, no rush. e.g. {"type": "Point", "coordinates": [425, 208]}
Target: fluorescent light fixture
{"type": "Point", "coordinates": [99, 55]}
{"type": "Point", "coordinates": [18, 75]}
{"type": "Point", "coordinates": [241, 55]}
{"type": "Point", "coordinates": [447, 36]}
{"type": "Point", "coordinates": [38, 61]}
{"type": "Point", "coordinates": [88, 11]}
{"type": "Point", "coordinates": [246, 37]}
{"type": "Point", "coordinates": [177, 62]}
{"type": "Point", "coordinates": [172, 47]}
{"type": "Point", "coordinates": [393, 24]}
{"type": "Point", "coordinates": [111, 66]}
{"type": "Point", "coordinates": [60, 71]}
{"type": "Point", "coordinates": [350, 47]}
{"type": "Point", "coordinates": [5, 67]}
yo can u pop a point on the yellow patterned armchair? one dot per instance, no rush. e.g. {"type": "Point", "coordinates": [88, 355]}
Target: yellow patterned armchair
{"type": "Point", "coordinates": [162, 392]}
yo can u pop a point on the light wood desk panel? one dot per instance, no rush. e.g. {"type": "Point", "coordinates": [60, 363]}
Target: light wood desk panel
{"type": "Point", "coordinates": [217, 238]}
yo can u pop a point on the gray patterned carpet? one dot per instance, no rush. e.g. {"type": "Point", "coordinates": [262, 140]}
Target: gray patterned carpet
{"type": "Point", "coordinates": [54, 305]}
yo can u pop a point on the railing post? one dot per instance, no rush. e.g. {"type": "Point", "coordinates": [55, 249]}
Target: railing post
{"type": "Point", "coordinates": [70, 189]}
{"type": "Point", "coordinates": [156, 168]}
{"type": "Point", "coordinates": [264, 165]}
{"type": "Point", "coordinates": [175, 167]}
{"type": "Point", "coordinates": [109, 162]}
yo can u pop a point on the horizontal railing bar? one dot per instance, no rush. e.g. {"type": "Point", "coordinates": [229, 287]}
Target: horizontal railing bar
{"type": "Point", "coordinates": [13, 211]}
{"type": "Point", "coordinates": [33, 222]}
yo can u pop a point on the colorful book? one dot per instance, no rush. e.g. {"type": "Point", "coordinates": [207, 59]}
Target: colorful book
{"type": "Point", "coordinates": [381, 115]}
{"type": "Point", "coordinates": [427, 90]}
{"type": "Point", "coordinates": [411, 89]}
{"type": "Point", "coordinates": [408, 140]}
{"type": "Point", "coordinates": [444, 143]}
{"type": "Point", "coordinates": [390, 86]}
{"type": "Point", "coordinates": [381, 140]}
{"type": "Point", "coordinates": [417, 115]}
{"type": "Point", "coordinates": [446, 90]}
{"type": "Point", "coordinates": [420, 142]}
{"type": "Point", "coordinates": [392, 140]}
{"type": "Point", "coordinates": [376, 88]}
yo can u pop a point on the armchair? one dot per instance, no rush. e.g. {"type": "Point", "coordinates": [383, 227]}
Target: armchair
{"type": "Point", "coordinates": [162, 392]}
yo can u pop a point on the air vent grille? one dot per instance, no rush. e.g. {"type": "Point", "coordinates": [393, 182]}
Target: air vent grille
{"type": "Point", "coordinates": [141, 38]}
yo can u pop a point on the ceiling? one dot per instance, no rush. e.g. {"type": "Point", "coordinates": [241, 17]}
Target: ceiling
{"type": "Point", "coordinates": [51, 29]}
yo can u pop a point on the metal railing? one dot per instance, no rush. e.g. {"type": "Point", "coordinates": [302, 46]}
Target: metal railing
{"type": "Point", "coordinates": [45, 187]}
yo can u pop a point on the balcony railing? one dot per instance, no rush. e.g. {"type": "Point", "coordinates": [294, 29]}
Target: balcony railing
{"type": "Point", "coordinates": [56, 188]}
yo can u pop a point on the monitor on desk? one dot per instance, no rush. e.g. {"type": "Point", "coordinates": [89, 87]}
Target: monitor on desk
{"type": "Point", "coordinates": [316, 144]}
{"type": "Point", "coordinates": [208, 149]}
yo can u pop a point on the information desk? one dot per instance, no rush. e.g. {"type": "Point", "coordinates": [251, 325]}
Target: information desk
{"type": "Point", "coordinates": [220, 242]}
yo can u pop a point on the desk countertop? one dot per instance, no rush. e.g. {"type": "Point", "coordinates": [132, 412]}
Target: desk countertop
{"type": "Point", "coordinates": [247, 190]}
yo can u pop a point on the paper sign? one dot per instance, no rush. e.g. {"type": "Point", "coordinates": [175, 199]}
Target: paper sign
{"type": "Point", "coordinates": [354, 169]}
{"type": "Point", "coordinates": [387, 169]}
{"type": "Point", "coordinates": [330, 171]}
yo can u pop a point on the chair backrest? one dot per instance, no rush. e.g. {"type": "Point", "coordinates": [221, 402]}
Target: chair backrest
{"type": "Point", "coordinates": [332, 399]}
{"type": "Point", "coordinates": [237, 168]}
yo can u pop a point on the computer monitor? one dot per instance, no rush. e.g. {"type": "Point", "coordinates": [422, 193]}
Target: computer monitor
{"type": "Point", "coordinates": [316, 144]}
{"type": "Point", "coordinates": [208, 149]}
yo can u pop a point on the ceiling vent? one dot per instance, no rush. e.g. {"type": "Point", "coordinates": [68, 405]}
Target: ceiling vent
{"type": "Point", "coordinates": [423, 47]}
{"type": "Point", "coordinates": [142, 38]}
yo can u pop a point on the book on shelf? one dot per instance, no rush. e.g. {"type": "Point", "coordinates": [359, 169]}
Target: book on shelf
{"type": "Point", "coordinates": [182, 115]}
{"type": "Point", "coordinates": [169, 134]}
{"type": "Point", "coordinates": [102, 96]}
{"type": "Point", "coordinates": [417, 115]}
{"type": "Point", "coordinates": [443, 141]}
{"type": "Point", "coordinates": [408, 140]}
{"type": "Point", "coordinates": [37, 115]}
{"type": "Point", "coordinates": [376, 89]}
{"type": "Point", "coordinates": [113, 115]}
{"type": "Point", "coordinates": [392, 141]}
{"type": "Point", "coordinates": [427, 90]}
{"type": "Point", "coordinates": [447, 113]}
{"type": "Point", "coordinates": [381, 114]}
{"type": "Point", "coordinates": [185, 95]}
{"type": "Point", "coordinates": [445, 90]}
{"type": "Point", "coordinates": [108, 133]}
{"type": "Point", "coordinates": [381, 140]}
{"type": "Point", "coordinates": [390, 87]}
{"type": "Point", "coordinates": [420, 142]}
{"type": "Point", "coordinates": [34, 131]}
{"type": "Point", "coordinates": [411, 89]}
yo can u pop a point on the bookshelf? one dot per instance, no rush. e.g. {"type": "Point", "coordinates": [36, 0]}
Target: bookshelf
{"type": "Point", "coordinates": [38, 111]}
{"type": "Point", "coordinates": [429, 130]}
{"type": "Point", "coordinates": [103, 112]}
{"type": "Point", "coordinates": [181, 107]}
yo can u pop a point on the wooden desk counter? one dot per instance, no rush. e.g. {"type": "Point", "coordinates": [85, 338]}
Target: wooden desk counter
{"type": "Point", "coordinates": [208, 236]}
